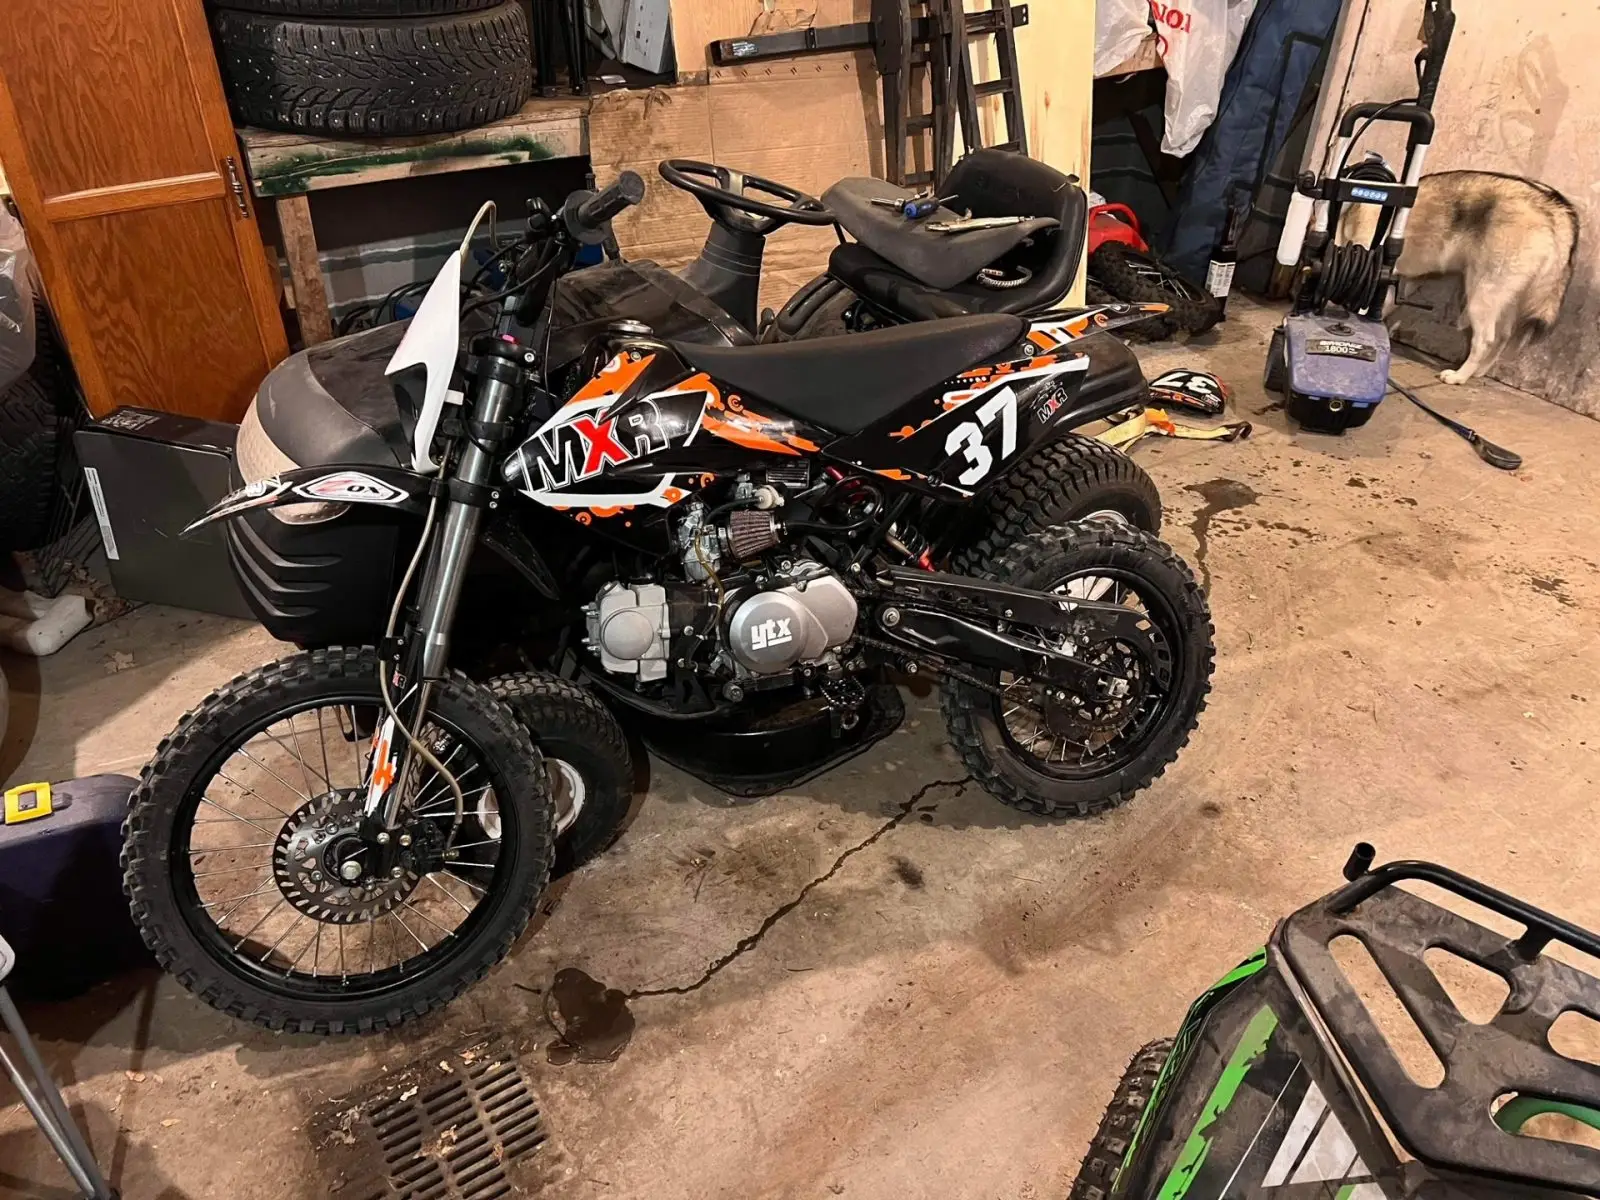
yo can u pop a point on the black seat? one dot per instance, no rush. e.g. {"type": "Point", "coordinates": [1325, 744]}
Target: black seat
{"type": "Point", "coordinates": [332, 403]}
{"type": "Point", "coordinates": [991, 183]}
{"type": "Point", "coordinates": [844, 384]}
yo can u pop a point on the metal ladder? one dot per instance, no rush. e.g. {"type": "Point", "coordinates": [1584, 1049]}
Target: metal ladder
{"type": "Point", "coordinates": [923, 48]}
{"type": "Point", "coordinates": [940, 69]}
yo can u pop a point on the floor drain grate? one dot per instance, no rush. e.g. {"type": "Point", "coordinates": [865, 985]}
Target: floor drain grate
{"type": "Point", "coordinates": [455, 1138]}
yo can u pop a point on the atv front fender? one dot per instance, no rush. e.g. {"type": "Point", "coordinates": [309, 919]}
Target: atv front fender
{"type": "Point", "coordinates": [394, 488]}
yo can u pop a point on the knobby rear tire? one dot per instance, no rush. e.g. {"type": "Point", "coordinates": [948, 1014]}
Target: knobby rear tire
{"type": "Point", "coordinates": [1041, 561]}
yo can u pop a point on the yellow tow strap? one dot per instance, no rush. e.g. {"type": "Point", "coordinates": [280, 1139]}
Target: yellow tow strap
{"type": "Point", "coordinates": [1156, 422]}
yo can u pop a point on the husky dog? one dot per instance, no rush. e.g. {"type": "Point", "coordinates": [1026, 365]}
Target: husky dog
{"type": "Point", "coordinates": [1511, 240]}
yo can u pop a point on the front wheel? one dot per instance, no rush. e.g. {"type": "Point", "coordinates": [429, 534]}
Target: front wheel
{"type": "Point", "coordinates": [1097, 1177]}
{"type": "Point", "coordinates": [250, 878]}
{"type": "Point", "coordinates": [1059, 755]}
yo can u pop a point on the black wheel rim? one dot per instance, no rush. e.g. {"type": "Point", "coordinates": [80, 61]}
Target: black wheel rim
{"type": "Point", "coordinates": [1019, 715]}
{"type": "Point", "coordinates": [258, 931]}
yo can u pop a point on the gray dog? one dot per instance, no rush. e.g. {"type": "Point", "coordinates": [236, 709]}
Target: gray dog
{"type": "Point", "coordinates": [1512, 242]}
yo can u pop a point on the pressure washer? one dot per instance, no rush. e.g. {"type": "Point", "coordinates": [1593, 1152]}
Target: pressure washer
{"type": "Point", "coordinates": [1330, 357]}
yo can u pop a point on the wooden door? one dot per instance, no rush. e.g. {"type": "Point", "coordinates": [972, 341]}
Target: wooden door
{"type": "Point", "coordinates": [120, 152]}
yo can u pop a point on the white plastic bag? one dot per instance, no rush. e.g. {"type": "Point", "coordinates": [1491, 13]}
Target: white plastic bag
{"type": "Point", "coordinates": [1197, 39]}
{"type": "Point", "coordinates": [1119, 27]}
{"type": "Point", "coordinates": [16, 301]}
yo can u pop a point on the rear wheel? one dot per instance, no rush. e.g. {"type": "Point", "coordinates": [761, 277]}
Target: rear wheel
{"type": "Point", "coordinates": [251, 880]}
{"type": "Point", "coordinates": [1075, 478]}
{"type": "Point", "coordinates": [1110, 1145]}
{"type": "Point", "coordinates": [1049, 752]}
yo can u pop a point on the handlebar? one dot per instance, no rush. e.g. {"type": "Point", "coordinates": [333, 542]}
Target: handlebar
{"type": "Point", "coordinates": [586, 214]}
{"type": "Point", "coordinates": [1420, 119]}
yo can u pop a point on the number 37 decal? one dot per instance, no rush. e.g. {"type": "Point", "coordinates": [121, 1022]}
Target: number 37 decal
{"type": "Point", "coordinates": [971, 437]}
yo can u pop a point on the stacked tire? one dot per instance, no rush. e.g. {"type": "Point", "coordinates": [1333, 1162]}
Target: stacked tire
{"type": "Point", "coordinates": [373, 68]}
{"type": "Point", "coordinates": [38, 412]}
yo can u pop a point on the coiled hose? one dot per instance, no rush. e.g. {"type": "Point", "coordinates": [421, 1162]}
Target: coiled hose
{"type": "Point", "coordinates": [1349, 277]}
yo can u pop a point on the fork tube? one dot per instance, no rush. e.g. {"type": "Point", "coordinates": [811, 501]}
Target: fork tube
{"type": "Point", "coordinates": [447, 571]}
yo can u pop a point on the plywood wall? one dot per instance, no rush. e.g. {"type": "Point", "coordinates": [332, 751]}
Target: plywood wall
{"type": "Point", "coordinates": [806, 122]}
{"type": "Point", "coordinates": [1519, 95]}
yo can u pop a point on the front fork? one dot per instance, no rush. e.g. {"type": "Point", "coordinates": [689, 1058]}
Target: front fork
{"type": "Point", "coordinates": [425, 652]}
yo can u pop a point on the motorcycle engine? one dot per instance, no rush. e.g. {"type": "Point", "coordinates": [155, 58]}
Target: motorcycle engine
{"type": "Point", "coordinates": [779, 628]}
{"type": "Point", "coordinates": [765, 630]}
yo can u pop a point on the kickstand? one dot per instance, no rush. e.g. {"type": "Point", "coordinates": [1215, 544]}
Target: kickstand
{"type": "Point", "coordinates": [43, 1099]}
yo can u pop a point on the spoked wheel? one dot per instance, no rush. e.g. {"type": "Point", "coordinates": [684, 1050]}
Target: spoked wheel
{"type": "Point", "coordinates": [1130, 275]}
{"type": "Point", "coordinates": [253, 881]}
{"type": "Point", "coordinates": [1045, 750]}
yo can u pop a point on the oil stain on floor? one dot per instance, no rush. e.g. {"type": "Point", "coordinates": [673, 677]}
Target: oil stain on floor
{"type": "Point", "coordinates": [592, 1021]}
{"type": "Point", "coordinates": [1220, 495]}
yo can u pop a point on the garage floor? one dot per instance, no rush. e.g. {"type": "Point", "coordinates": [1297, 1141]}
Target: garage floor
{"type": "Point", "coordinates": [887, 984]}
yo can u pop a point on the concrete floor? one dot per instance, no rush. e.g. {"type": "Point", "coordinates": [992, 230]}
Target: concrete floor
{"type": "Point", "coordinates": [866, 1003]}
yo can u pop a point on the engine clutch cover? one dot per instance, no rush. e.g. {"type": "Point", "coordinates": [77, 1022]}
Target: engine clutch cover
{"type": "Point", "coordinates": [772, 631]}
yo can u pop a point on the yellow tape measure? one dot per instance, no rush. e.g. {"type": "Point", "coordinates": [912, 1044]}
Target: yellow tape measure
{"type": "Point", "coordinates": [28, 803]}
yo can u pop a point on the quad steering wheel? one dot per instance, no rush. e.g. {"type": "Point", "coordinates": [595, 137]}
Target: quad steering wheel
{"type": "Point", "coordinates": [728, 203]}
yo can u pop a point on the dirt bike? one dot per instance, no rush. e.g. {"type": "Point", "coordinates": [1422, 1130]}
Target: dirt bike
{"type": "Point", "coordinates": [727, 545]}
{"type": "Point", "coordinates": [1289, 1077]}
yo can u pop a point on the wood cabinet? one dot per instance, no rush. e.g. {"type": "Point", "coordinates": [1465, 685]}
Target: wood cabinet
{"type": "Point", "coordinates": [121, 156]}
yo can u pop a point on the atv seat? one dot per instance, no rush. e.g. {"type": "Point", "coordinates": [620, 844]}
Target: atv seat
{"type": "Point", "coordinates": [900, 266]}
{"type": "Point", "coordinates": [845, 384]}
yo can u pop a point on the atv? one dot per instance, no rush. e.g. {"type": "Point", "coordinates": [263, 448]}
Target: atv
{"type": "Point", "coordinates": [1280, 1082]}
{"type": "Point", "coordinates": [727, 547]}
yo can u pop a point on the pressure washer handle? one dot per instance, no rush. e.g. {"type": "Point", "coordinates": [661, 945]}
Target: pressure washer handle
{"type": "Point", "coordinates": [1438, 26]}
{"type": "Point", "coordinates": [1419, 118]}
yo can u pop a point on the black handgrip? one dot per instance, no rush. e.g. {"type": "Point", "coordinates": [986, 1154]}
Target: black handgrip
{"type": "Point", "coordinates": [592, 214]}
{"type": "Point", "coordinates": [1420, 119]}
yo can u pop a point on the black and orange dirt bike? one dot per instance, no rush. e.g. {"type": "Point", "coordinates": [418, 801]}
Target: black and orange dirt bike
{"type": "Point", "coordinates": [728, 547]}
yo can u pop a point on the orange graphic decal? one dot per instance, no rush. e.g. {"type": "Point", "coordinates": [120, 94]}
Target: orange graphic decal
{"type": "Point", "coordinates": [583, 518]}
{"type": "Point", "coordinates": [894, 473]}
{"type": "Point", "coordinates": [615, 378]}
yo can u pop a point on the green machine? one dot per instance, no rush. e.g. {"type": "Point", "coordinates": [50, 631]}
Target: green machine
{"type": "Point", "coordinates": [1281, 1085]}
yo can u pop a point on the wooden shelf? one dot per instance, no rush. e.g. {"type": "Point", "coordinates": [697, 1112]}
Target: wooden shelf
{"type": "Point", "coordinates": [286, 167]}
{"type": "Point", "coordinates": [292, 164]}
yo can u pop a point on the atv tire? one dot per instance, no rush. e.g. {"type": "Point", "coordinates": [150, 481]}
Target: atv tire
{"type": "Point", "coordinates": [375, 78]}
{"type": "Point", "coordinates": [1140, 279]}
{"type": "Point", "coordinates": [29, 444]}
{"type": "Point", "coordinates": [1110, 1145]}
{"type": "Point", "coordinates": [1071, 479]}
{"type": "Point", "coordinates": [577, 734]}
{"type": "Point", "coordinates": [978, 726]}
{"type": "Point", "coordinates": [358, 9]}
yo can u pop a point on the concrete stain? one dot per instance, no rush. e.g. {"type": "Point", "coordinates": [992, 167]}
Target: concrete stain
{"type": "Point", "coordinates": [1220, 495]}
{"type": "Point", "coordinates": [1555, 586]}
{"type": "Point", "coordinates": [908, 873]}
{"type": "Point", "coordinates": [592, 1022]}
